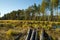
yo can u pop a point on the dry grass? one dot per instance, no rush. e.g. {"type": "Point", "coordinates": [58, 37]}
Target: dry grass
{"type": "Point", "coordinates": [9, 27]}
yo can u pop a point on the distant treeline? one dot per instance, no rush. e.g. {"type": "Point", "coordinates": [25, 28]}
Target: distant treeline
{"type": "Point", "coordinates": [27, 14]}
{"type": "Point", "coordinates": [36, 12]}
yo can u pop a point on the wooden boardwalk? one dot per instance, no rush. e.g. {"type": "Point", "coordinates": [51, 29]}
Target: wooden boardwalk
{"type": "Point", "coordinates": [34, 35]}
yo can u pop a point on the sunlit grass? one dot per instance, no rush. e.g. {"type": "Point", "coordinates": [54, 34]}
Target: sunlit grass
{"type": "Point", "coordinates": [10, 27]}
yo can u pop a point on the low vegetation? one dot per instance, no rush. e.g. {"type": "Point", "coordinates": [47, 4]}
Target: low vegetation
{"type": "Point", "coordinates": [9, 29]}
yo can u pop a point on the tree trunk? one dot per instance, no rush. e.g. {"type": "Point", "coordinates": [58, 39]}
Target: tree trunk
{"type": "Point", "coordinates": [33, 16]}
{"type": "Point", "coordinates": [51, 14]}
{"type": "Point", "coordinates": [52, 6]}
{"type": "Point", "coordinates": [57, 14]}
{"type": "Point", "coordinates": [43, 17]}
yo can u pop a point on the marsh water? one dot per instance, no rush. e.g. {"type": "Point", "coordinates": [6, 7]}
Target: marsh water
{"type": "Point", "coordinates": [55, 26]}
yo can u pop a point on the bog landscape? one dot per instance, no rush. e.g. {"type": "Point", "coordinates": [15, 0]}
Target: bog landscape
{"type": "Point", "coordinates": [39, 21]}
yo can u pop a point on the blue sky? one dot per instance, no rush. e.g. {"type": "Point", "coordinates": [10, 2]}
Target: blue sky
{"type": "Point", "coordinates": [7, 6]}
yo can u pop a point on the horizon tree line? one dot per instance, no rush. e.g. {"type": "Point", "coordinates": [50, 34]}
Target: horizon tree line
{"type": "Point", "coordinates": [36, 12]}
